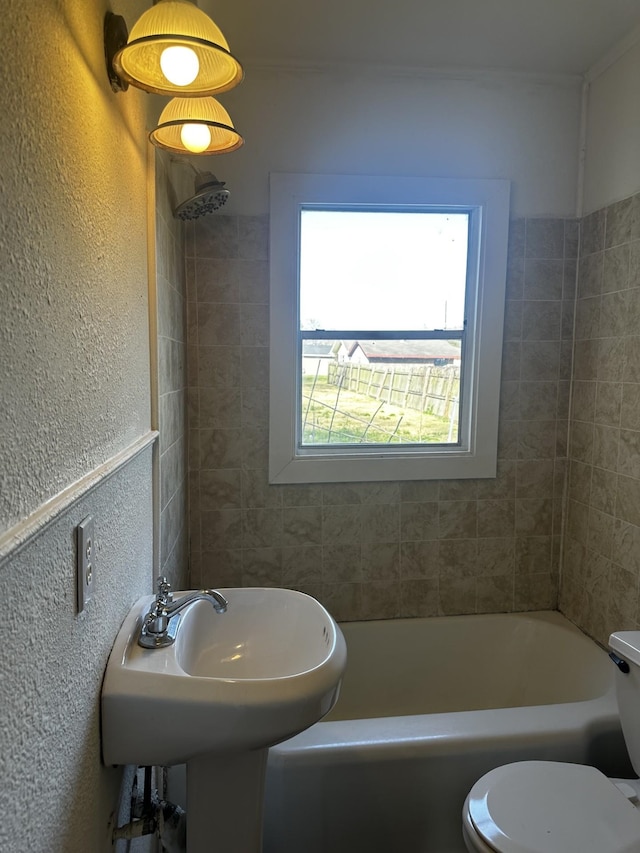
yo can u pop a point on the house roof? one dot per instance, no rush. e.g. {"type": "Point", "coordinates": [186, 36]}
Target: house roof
{"type": "Point", "coordinates": [406, 350]}
{"type": "Point", "coordinates": [317, 349]}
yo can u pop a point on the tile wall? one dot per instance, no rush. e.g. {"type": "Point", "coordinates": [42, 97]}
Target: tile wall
{"type": "Point", "coordinates": [377, 550]}
{"type": "Point", "coordinates": [601, 562]}
{"type": "Point", "coordinates": [172, 383]}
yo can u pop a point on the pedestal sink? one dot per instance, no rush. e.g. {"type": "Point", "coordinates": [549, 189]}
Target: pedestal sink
{"type": "Point", "coordinates": [231, 685]}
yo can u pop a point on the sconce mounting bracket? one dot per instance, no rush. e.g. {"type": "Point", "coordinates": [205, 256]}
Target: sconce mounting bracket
{"type": "Point", "coordinates": [115, 37]}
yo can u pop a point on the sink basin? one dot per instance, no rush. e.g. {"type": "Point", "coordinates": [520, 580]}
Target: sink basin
{"type": "Point", "coordinates": [242, 680]}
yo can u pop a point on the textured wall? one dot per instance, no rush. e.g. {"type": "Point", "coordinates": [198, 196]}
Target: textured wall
{"type": "Point", "coordinates": [74, 390]}
{"type": "Point", "coordinates": [55, 795]}
{"type": "Point", "coordinates": [602, 543]}
{"type": "Point", "coordinates": [389, 549]}
{"type": "Point", "coordinates": [72, 256]}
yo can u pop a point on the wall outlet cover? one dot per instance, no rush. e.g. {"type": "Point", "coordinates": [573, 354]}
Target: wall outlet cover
{"type": "Point", "coordinates": [86, 575]}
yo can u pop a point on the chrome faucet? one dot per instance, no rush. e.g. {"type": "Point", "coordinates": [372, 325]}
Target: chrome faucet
{"type": "Point", "coordinates": [160, 625]}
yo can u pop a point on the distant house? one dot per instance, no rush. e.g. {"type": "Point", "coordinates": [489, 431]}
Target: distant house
{"type": "Point", "coordinates": [439, 353]}
{"type": "Point", "coordinates": [316, 356]}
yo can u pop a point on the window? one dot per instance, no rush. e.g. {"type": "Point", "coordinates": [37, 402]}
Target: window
{"type": "Point", "coordinates": [387, 299]}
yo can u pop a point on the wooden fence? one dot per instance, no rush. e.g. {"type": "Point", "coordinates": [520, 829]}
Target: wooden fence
{"type": "Point", "coordinates": [425, 388]}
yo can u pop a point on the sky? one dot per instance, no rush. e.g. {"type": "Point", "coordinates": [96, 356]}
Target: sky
{"type": "Point", "coordinates": [382, 270]}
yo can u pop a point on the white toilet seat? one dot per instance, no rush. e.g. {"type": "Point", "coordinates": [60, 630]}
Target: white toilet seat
{"type": "Point", "coordinates": [546, 807]}
{"type": "Point", "coordinates": [472, 840]}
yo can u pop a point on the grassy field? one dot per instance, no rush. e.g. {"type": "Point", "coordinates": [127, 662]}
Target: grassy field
{"type": "Point", "coordinates": [336, 416]}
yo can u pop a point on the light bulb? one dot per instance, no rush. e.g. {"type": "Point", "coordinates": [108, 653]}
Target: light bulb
{"type": "Point", "coordinates": [195, 137]}
{"type": "Point", "coordinates": [180, 65]}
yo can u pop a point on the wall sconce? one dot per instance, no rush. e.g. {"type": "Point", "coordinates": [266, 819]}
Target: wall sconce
{"type": "Point", "coordinates": [176, 49]}
{"type": "Point", "coordinates": [173, 49]}
{"type": "Point", "coordinates": [196, 126]}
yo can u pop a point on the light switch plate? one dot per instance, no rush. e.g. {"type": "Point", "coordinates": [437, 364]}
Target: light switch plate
{"type": "Point", "coordinates": [86, 562]}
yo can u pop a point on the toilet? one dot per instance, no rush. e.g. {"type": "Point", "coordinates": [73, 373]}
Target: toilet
{"type": "Point", "coordinates": [556, 807]}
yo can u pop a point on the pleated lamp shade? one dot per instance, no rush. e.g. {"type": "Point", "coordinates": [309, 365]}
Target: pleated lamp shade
{"type": "Point", "coordinates": [176, 49]}
{"type": "Point", "coordinates": [196, 126]}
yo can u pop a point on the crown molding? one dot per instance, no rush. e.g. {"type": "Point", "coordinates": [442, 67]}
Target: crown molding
{"type": "Point", "coordinates": [377, 71]}
{"type": "Point", "coordinates": [613, 55]}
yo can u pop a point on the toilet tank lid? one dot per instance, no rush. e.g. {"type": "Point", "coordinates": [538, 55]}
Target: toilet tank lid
{"type": "Point", "coordinates": [627, 644]}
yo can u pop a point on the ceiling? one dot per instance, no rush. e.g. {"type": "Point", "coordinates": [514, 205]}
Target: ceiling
{"type": "Point", "coordinates": [541, 36]}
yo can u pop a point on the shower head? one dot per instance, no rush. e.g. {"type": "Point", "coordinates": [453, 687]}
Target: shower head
{"type": "Point", "coordinates": [210, 195]}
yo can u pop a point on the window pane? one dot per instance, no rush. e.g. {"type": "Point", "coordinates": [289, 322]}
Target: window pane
{"type": "Point", "coordinates": [400, 392]}
{"type": "Point", "coordinates": [378, 288]}
{"type": "Point", "coordinates": [382, 269]}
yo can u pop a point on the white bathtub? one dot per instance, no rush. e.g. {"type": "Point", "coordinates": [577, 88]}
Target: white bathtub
{"type": "Point", "coordinates": [427, 707]}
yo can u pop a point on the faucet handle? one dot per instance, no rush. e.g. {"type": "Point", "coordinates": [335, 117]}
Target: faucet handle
{"type": "Point", "coordinates": [164, 590]}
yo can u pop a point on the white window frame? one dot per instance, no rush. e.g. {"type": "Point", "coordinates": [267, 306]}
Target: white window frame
{"type": "Point", "coordinates": [476, 454]}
